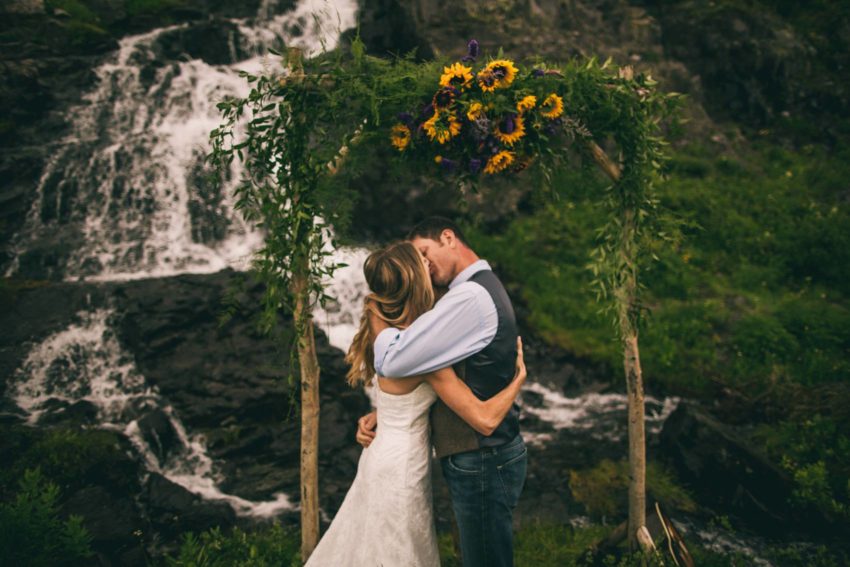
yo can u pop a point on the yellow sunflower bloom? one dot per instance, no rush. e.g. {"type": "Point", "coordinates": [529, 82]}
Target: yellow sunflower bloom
{"type": "Point", "coordinates": [527, 103]}
{"type": "Point", "coordinates": [476, 111]}
{"type": "Point", "coordinates": [499, 162]}
{"type": "Point", "coordinates": [442, 127]}
{"type": "Point", "coordinates": [444, 98]}
{"type": "Point", "coordinates": [497, 74]}
{"type": "Point", "coordinates": [509, 138]}
{"type": "Point", "coordinates": [457, 76]}
{"type": "Point", "coordinates": [552, 107]}
{"type": "Point", "coordinates": [400, 136]}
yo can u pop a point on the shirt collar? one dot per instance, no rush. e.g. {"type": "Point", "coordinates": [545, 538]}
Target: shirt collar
{"type": "Point", "coordinates": [469, 271]}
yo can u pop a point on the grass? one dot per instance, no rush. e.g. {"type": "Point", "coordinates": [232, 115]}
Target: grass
{"type": "Point", "coordinates": [602, 490]}
{"type": "Point", "coordinates": [755, 292]}
{"type": "Point", "coordinates": [536, 544]}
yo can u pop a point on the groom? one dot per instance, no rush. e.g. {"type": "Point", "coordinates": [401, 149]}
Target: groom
{"type": "Point", "coordinates": [473, 328]}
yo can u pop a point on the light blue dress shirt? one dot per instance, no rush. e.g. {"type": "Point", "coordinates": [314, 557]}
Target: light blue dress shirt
{"type": "Point", "coordinates": [462, 322]}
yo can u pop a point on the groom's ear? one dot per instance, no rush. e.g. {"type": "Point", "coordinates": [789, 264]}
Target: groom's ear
{"type": "Point", "coordinates": [448, 237]}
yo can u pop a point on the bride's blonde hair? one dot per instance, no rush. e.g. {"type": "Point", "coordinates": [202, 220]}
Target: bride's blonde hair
{"type": "Point", "coordinates": [401, 292]}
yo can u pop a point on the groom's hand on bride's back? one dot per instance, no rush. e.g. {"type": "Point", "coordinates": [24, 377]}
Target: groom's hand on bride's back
{"type": "Point", "coordinates": [366, 428]}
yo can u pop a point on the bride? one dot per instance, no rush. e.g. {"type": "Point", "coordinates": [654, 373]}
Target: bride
{"type": "Point", "coordinates": [387, 516]}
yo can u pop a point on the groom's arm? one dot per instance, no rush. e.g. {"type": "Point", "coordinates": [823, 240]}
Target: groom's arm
{"type": "Point", "coordinates": [462, 323]}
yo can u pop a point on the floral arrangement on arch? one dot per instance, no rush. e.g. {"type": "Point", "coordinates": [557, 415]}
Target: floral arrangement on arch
{"type": "Point", "coordinates": [487, 121]}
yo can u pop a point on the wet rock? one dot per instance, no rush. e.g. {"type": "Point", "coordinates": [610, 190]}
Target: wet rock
{"type": "Point", "coordinates": [390, 26]}
{"type": "Point", "coordinates": [159, 433]}
{"type": "Point", "coordinates": [726, 470]}
{"type": "Point", "coordinates": [110, 518]}
{"type": "Point", "coordinates": [217, 42]}
{"type": "Point", "coordinates": [82, 412]}
{"type": "Point", "coordinates": [175, 509]}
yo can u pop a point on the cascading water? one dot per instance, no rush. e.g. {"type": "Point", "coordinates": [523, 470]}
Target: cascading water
{"type": "Point", "coordinates": [85, 362]}
{"type": "Point", "coordinates": [125, 197]}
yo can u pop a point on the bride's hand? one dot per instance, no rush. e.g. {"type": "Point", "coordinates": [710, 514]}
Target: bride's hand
{"type": "Point", "coordinates": [520, 362]}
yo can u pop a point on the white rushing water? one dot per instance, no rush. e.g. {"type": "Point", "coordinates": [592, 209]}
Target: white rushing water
{"type": "Point", "coordinates": [124, 191]}
{"type": "Point", "coordinates": [600, 416]}
{"type": "Point", "coordinates": [85, 362]}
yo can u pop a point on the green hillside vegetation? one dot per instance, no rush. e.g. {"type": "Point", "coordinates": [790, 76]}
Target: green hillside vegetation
{"type": "Point", "coordinates": [748, 305]}
{"type": "Point", "coordinates": [753, 295]}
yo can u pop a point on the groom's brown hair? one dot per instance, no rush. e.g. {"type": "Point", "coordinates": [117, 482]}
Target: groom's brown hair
{"type": "Point", "coordinates": [433, 227]}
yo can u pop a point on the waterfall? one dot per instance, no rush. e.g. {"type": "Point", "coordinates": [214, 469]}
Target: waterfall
{"type": "Point", "coordinates": [125, 194]}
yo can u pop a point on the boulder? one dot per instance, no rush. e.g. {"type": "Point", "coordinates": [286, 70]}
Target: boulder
{"type": "Point", "coordinates": [112, 520]}
{"type": "Point", "coordinates": [214, 41]}
{"type": "Point", "coordinates": [174, 509]}
{"type": "Point", "coordinates": [726, 470]}
{"type": "Point", "coordinates": [81, 412]}
{"type": "Point", "coordinates": [159, 433]}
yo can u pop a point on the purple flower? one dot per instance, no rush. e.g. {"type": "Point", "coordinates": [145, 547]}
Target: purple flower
{"type": "Point", "coordinates": [471, 51]}
{"type": "Point", "coordinates": [509, 124]}
{"type": "Point", "coordinates": [448, 165]}
{"type": "Point", "coordinates": [474, 165]}
{"type": "Point", "coordinates": [538, 73]}
{"type": "Point", "coordinates": [405, 118]}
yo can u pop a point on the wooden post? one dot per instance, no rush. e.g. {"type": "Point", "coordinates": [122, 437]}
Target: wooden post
{"type": "Point", "coordinates": [309, 364]}
{"type": "Point", "coordinates": [626, 297]}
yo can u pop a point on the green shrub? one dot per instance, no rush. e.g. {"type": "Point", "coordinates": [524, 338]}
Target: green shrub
{"type": "Point", "coordinates": [31, 532]}
{"type": "Point", "coordinates": [272, 546]}
{"type": "Point", "coordinates": [70, 458]}
{"type": "Point", "coordinates": [808, 556]}
{"type": "Point", "coordinates": [816, 453]}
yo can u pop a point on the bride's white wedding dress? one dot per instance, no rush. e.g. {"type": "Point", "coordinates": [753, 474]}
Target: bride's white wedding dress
{"type": "Point", "coordinates": [387, 517]}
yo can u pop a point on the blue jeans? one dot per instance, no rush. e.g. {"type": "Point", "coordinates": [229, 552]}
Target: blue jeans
{"type": "Point", "coordinates": [485, 486]}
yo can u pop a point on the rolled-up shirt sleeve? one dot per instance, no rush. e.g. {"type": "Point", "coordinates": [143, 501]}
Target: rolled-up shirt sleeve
{"type": "Point", "coordinates": [462, 323]}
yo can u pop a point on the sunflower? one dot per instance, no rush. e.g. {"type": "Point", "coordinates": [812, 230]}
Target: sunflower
{"type": "Point", "coordinates": [457, 76]}
{"type": "Point", "coordinates": [400, 136]}
{"type": "Point", "coordinates": [552, 107]}
{"type": "Point", "coordinates": [497, 74]}
{"type": "Point", "coordinates": [442, 127]}
{"type": "Point", "coordinates": [444, 97]}
{"type": "Point", "coordinates": [476, 111]}
{"type": "Point", "coordinates": [499, 162]}
{"type": "Point", "coordinates": [509, 130]}
{"type": "Point", "coordinates": [527, 103]}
